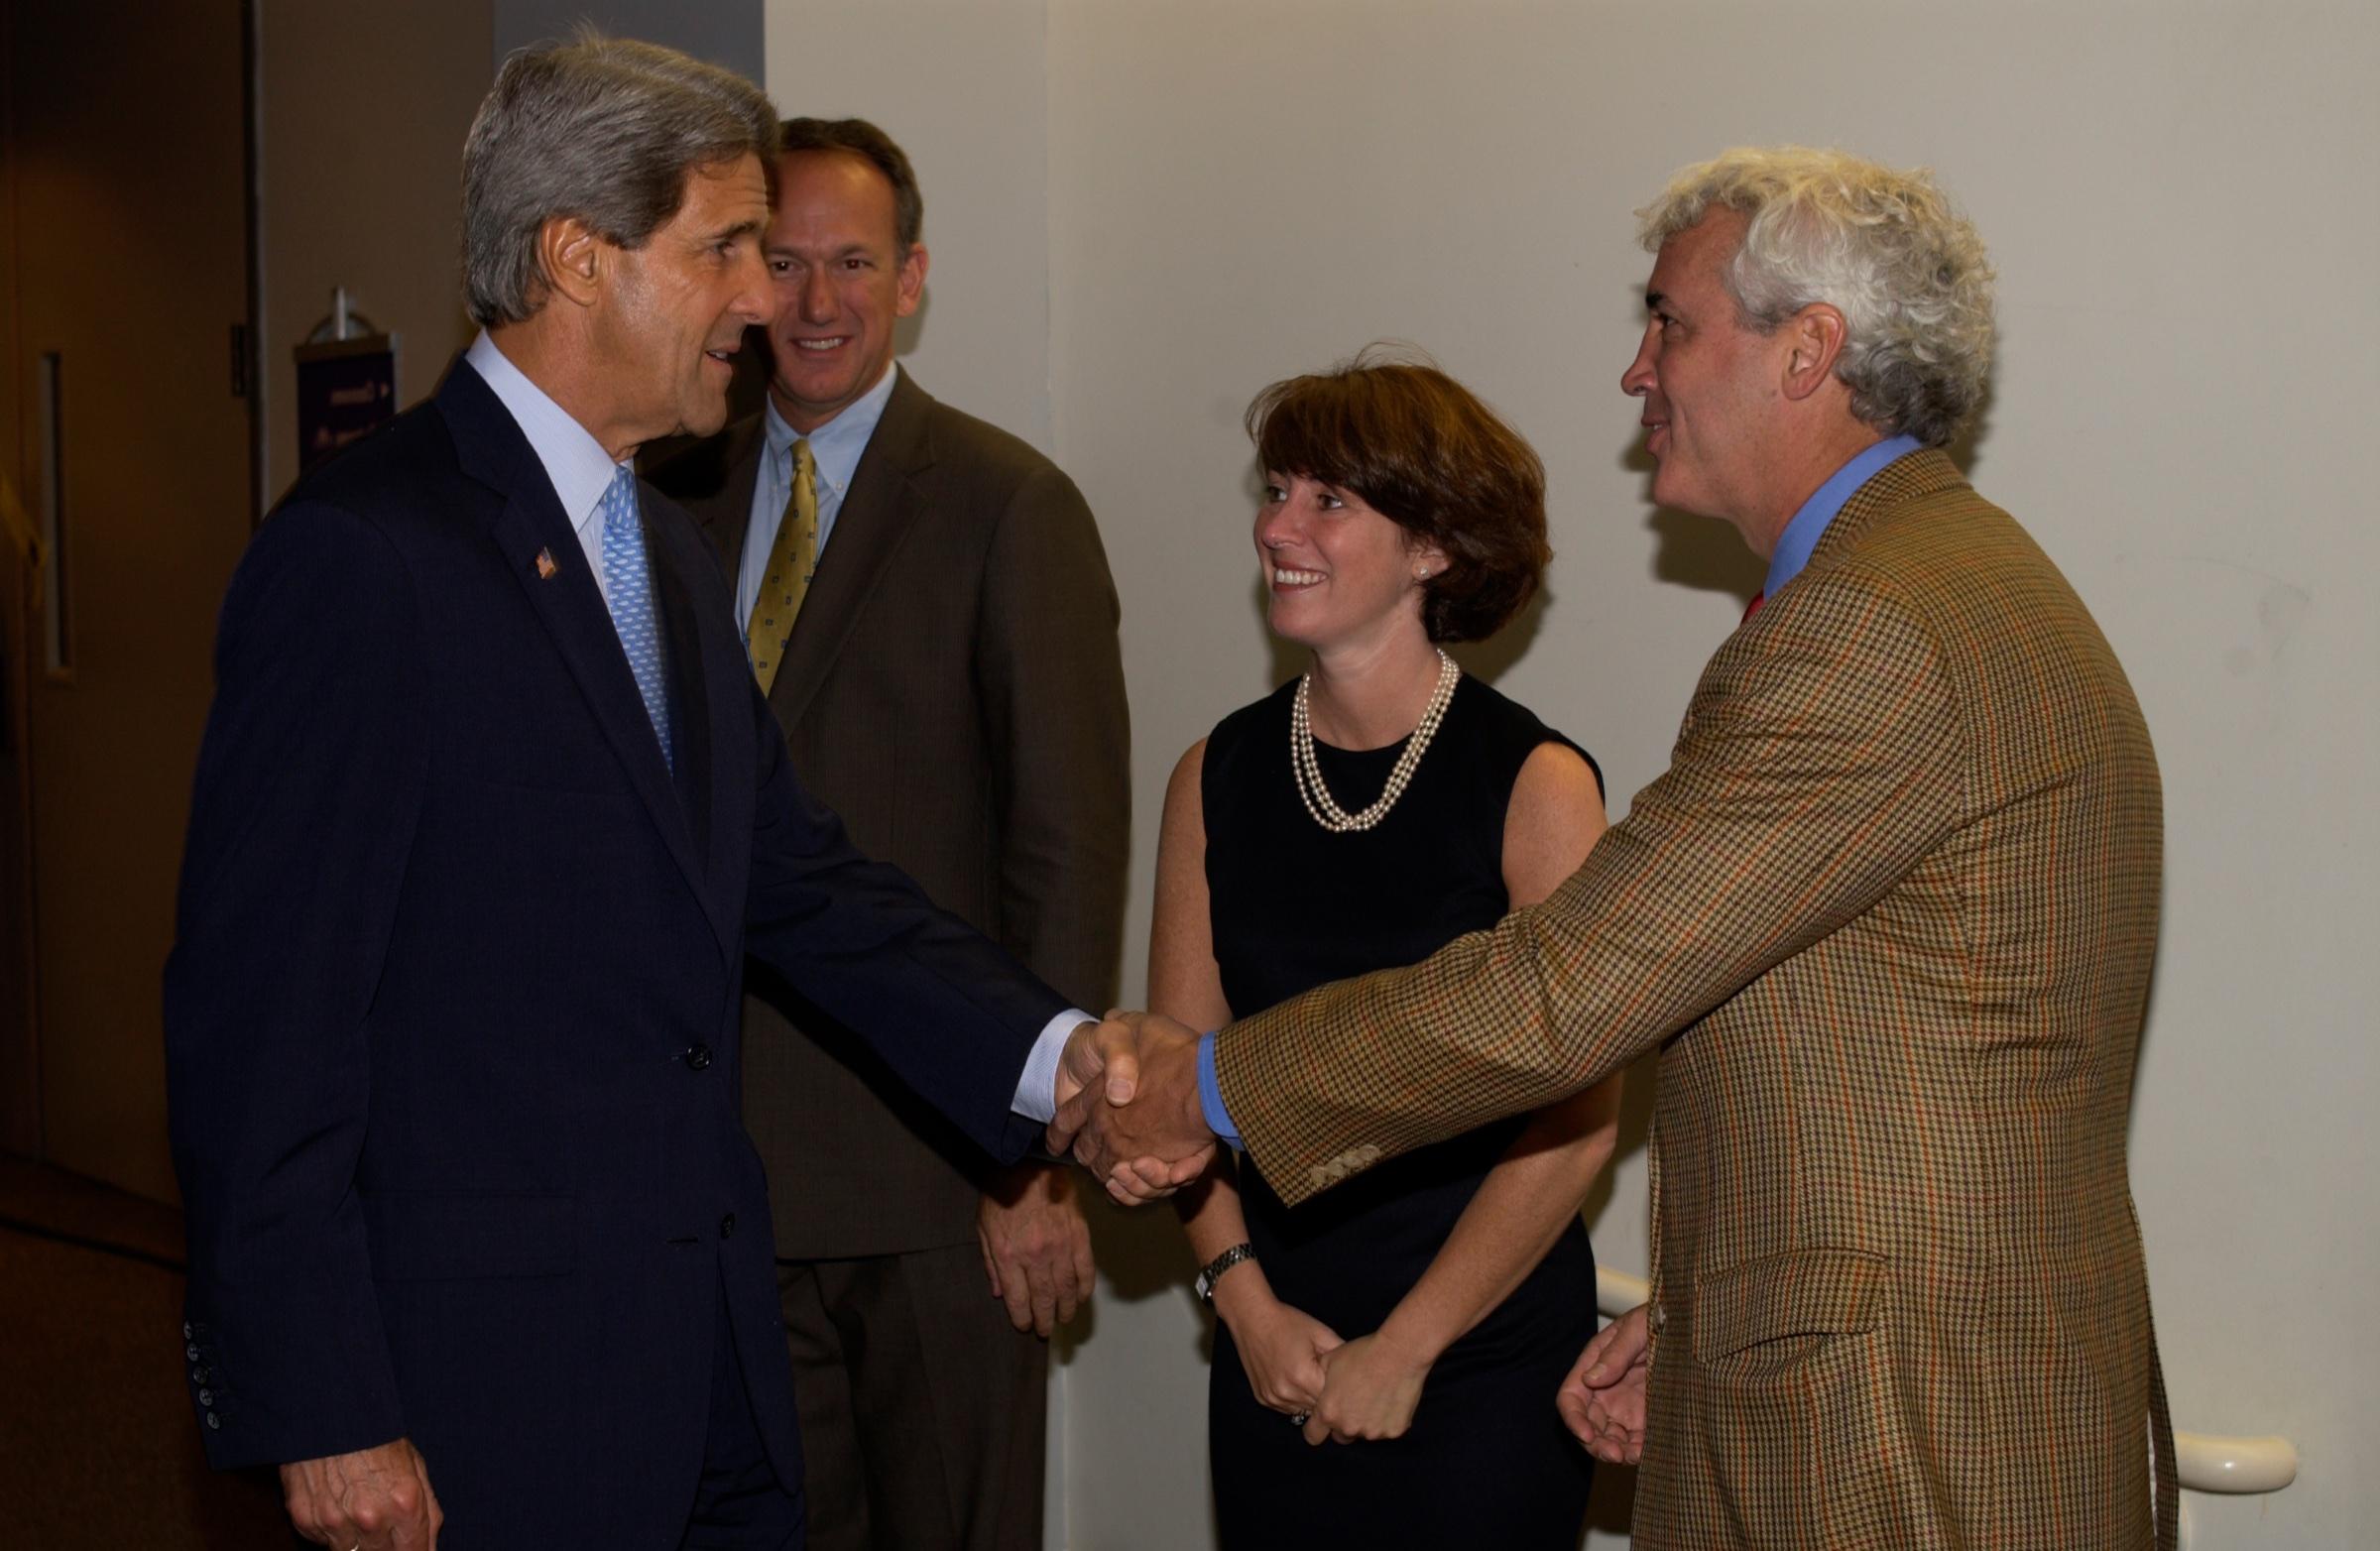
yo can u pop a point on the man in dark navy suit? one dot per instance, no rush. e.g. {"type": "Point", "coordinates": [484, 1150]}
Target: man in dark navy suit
{"type": "Point", "coordinates": [488, 815]}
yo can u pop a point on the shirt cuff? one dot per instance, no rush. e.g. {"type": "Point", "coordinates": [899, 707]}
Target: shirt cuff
{"type": "Point", "coordinates": [1210, 1095]}
{"type": "Point", "coordinates": [1037, 1090]}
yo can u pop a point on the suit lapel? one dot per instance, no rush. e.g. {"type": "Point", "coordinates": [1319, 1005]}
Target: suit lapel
{"type": "Point", "coordinates": [530, 524]}
{"type": "Point", "coordinates": [682, 646]}
{"type": "Point", "coordinates": [715, 758]}
{"type": "Point", "coordinates": [1919, 473]}
{"type": "Point", "coordinates": [876, 516]}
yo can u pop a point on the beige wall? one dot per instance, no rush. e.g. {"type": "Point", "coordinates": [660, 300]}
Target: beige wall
{"type": "Point", "coordinates": [364, 108]}
{"type": "Point", "coordinates": [963, 89]}
{"type": "Point", "coordinates": [1193, 198]}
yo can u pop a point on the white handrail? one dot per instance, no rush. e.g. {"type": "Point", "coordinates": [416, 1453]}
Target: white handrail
{"type": "Point", "coordinates": [2203, 1462]}
{"type": "Point", "coordinates": [1616, 1292]}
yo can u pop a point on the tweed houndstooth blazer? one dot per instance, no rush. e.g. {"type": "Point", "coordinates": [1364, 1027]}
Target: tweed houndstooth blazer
{"type": "Point", "coordinates": [1889, 919]}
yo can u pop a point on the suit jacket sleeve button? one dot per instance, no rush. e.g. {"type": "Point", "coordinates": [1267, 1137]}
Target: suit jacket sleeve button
{"type": "Point", "coordinates": [192, 1351]}
{"type": "Point", "coordinates": [727, 1226]}
{"type": "Point", "coordinates": [214, 1421]}
{"type": "Point", "coordinates": [698, 1057]}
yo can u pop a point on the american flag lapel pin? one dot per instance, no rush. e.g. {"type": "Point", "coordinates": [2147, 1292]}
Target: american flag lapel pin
{"type": "Point", "coordinates": [546, 566]}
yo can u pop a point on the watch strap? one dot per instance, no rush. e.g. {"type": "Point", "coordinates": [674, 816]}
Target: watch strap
{"type": "Point", "coordinates": [1212, 1272]}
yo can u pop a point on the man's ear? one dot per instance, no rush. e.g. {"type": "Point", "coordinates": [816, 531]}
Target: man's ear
{"type": "Point", "coordinates": [570, 256]}
{"type": "Point", "coordinates": [1816, 335]}
{"type": "Point", "coordinates": [912, 280]}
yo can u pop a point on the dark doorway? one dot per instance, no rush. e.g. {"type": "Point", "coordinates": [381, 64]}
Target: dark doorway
{"type": "Point", "coordinates": [128, 296]}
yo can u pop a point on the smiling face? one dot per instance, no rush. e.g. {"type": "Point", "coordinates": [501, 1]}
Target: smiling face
{"type": "Point", "coordinates": [1340, 574]}
{"type": "Point", "coordinates": [1710, 385]}
{"type": "Point", "coordinates": [834, 257]}
{"type": "Point", "coordinates": [676, 308]}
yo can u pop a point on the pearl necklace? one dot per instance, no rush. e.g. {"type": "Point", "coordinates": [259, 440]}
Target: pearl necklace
{"type": "Point", "coordinates": [1329, 814]}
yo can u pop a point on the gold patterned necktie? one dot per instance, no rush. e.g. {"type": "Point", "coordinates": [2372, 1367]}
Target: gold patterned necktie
{"type": "Point", "coordinates": [791, 559]}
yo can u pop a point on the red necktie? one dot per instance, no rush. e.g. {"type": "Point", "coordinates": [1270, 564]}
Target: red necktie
{"type": "Point", "coordinates": [1752, 608]}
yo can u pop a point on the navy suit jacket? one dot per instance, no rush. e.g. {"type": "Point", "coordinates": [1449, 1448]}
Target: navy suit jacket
{"type": "Point", "coordinates": [452, 1011]}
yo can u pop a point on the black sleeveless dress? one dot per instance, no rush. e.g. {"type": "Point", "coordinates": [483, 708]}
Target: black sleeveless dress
{"type": "Point", "coordinates": [1486, 1461]}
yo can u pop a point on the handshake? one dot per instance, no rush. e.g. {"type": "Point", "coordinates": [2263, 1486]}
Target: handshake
{"type": "Point", "coordinates": [1130, 1110]}
{"type": "Point", "coordinates": [1129, 1106]}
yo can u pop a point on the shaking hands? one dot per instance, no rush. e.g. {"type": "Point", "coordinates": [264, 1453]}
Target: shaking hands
{"type": "Point", "coordinates": [1129, 1106]}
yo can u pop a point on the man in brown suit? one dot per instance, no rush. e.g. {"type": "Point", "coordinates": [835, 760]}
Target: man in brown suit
{"type": "Point", "coordinates": [1889, 918]}
{"type": "Point", "coordinates": [949, 682]}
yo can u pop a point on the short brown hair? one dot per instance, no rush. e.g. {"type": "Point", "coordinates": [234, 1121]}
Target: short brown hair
{"type": "Point", "coordinates": [857, 137]}
{"type": "Point", "coordinates": [1425, 452]}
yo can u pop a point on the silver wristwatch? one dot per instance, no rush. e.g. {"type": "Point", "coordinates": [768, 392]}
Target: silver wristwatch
{"type": "Point", "coordinates": [1212, 1271]}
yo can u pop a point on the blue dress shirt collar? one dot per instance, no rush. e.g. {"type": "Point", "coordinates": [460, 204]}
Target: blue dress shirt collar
{"type": "Point", "coordinates": [1800, 539]}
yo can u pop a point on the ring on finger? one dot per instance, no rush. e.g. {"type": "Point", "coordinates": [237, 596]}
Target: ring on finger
{"type": "Point", "coordinates": [1300, 1418]}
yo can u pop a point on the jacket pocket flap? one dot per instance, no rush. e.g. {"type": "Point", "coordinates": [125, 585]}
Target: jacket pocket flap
{"type": "Point", "coordinates": [418, 1237]}
{"type": "Point", "coordinates": [1803, 1292]}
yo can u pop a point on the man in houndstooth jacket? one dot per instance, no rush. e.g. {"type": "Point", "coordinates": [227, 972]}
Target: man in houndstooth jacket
{"type": "Point", "coordinates": [1889, 918]}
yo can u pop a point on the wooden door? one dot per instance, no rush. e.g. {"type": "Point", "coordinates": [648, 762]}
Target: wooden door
{"type": "Point", "coordinates": [127, 273]}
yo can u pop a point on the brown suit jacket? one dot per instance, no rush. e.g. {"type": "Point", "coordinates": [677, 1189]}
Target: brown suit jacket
{"type": "Point", "coordinates": [953, 689]}
{"type": "Point", "coordinates": [1889, 919]}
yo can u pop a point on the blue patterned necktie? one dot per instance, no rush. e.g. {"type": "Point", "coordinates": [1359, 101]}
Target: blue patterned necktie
{"type": "Point", "coordinates": [628, 586]}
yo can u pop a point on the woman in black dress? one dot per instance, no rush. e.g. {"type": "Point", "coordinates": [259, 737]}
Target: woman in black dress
{"type": "Point", "coordinates": [1388, 1356]}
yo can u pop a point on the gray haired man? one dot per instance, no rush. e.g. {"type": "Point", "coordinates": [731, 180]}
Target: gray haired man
{"type": "Point", "coordinates": [488, 815]}
{"type": "Point", "coordinates": [1889, 918]}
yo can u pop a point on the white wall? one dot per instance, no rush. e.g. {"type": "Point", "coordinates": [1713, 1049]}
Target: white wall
{"type": "Point", "coordinates": [1143, 212]}
{"type": "Point", "coordinates": [963, 87]}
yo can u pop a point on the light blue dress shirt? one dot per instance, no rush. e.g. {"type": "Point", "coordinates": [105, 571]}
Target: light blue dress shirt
{"type": "Point", "coordinates": [836, 446]}
{"type": "Point", "coordinates": [1794, 549]}
{"type": "Point", "coordinates": [581, 471]}
{"type": "Point", "coordinates": [574, 462]}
